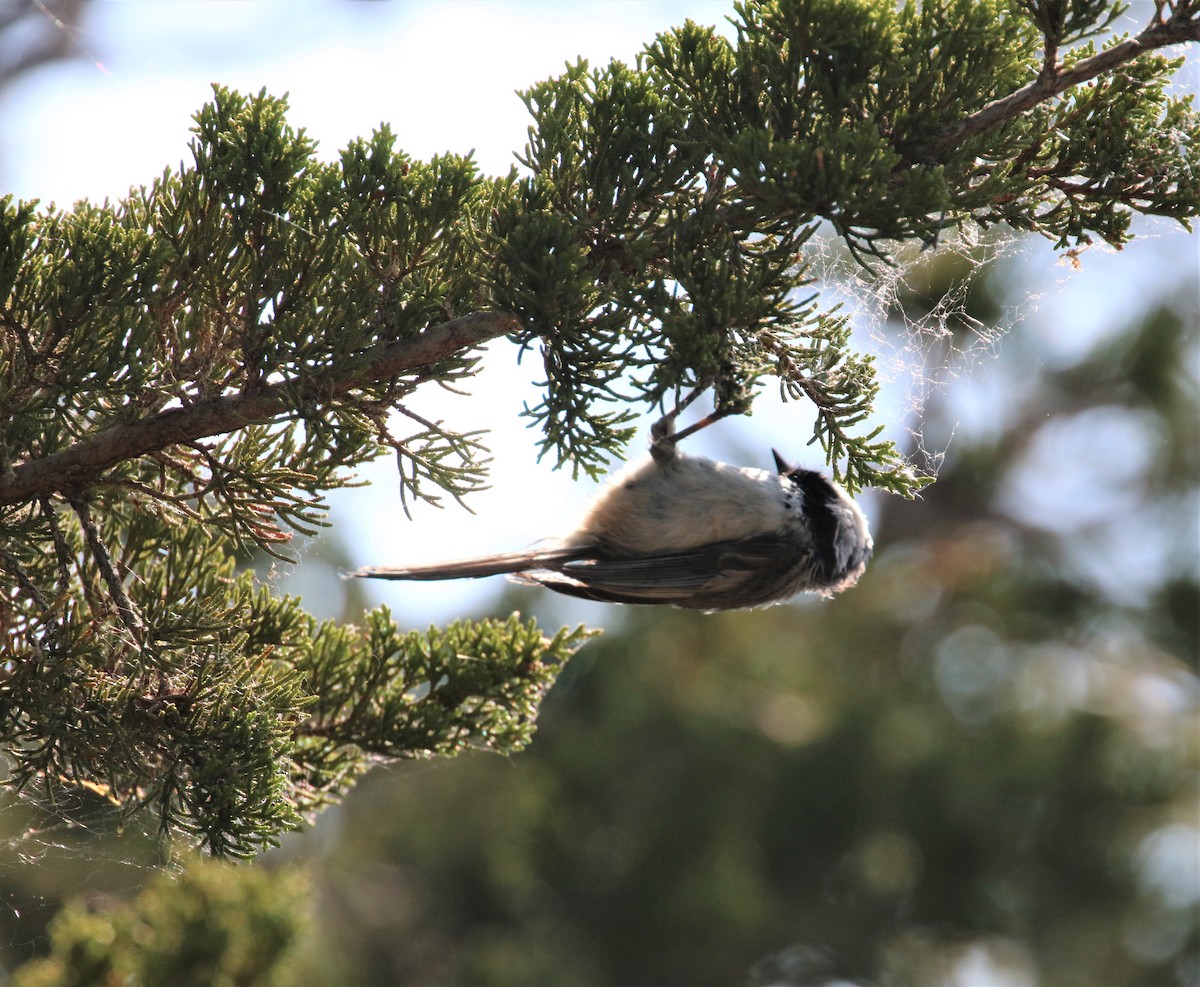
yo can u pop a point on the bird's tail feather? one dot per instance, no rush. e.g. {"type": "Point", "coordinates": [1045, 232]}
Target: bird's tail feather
{"type": "Point", "coordinates": [485, 565]}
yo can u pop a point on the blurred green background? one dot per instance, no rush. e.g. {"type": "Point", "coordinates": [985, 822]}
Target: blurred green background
{"type": "Point", "coordinates": [977, 768]}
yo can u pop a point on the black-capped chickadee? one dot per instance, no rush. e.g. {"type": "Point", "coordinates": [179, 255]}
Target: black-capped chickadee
{"type": "Point", "coordinates": [693, 533]}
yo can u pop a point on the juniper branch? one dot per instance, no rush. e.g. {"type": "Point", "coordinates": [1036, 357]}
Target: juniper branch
{"type": "Point", "coordinates": [81, 463]}
{"type": "Point", "coordinates": [1183, 25]}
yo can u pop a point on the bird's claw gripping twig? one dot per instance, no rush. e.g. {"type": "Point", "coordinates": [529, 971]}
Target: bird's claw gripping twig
{"type": "Point", "coordinates": [664, 438]}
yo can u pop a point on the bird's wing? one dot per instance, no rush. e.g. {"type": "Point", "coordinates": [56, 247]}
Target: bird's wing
{"type": "Point", "coordinates": [685, 578]}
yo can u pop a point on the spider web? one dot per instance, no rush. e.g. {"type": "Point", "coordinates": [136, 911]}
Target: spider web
{"type": "Point", "coordinates": [49, 852]}
{"type": "Point", "coordinates": [915, 317]}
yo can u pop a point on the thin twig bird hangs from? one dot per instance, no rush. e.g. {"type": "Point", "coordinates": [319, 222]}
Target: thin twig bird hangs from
{"type": "Point", "coordinates": [692, 533]}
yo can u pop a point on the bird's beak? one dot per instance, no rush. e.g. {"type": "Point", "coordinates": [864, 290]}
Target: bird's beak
{"type": "Point", "coordinates": [781, 464]}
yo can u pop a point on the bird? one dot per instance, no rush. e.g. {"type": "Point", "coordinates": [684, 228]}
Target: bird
{"type": "Point", "coordinates": [690, 532]}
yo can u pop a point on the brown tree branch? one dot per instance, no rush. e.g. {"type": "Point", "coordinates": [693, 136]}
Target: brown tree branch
{"type": "Point", "coordinates": [1183, 25]}
{"type": "Point", "coordinates": [80, 464]}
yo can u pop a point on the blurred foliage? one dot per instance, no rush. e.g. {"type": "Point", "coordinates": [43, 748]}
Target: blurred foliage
{"type": "Point", "coordinates": [977, 768]}
{"type": "Point", "coordinates": [210, 926]}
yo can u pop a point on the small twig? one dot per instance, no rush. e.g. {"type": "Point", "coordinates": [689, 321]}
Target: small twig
{"type": "Point", "coordinates": [421, 419]}
{"type": "Point", "coordinates": [13, 567]}
{"type": "Point", "coordinates": [175, 502]}
{"type": "Point", "coordinates": [125, 606]}
{"type": "Point", "coordinates": [1049, 61]}
{"type": "Point", "coordinates": [186, 469]}
{"type": "Point", "coordinates": [62, 551]}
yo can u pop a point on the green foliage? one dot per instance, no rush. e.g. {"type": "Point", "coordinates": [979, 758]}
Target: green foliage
{"type": "Point", "coordinates": [1117, 141]}
{"type": "Point", "coordinates": [184, 374]}
{"type": "Point", "coordinates": [471, 685]}
{"type": "Point", "coordinates": [949, 63]}
{"type": "Point", "coordinates": [232, 718]}
{"type": "Point", "coordinates": [211, 926]}
{"type": "Point", "coordinates": [127, 631]}
{"type": "Point", "coordinates": [663, 223]}
{"type": "Point", "coordinates": [1065, 21]}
